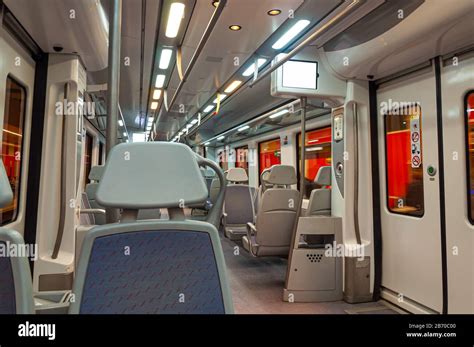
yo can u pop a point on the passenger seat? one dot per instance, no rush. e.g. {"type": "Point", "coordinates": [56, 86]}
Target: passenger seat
{"type": "Point", "coordinates": [239, 204]}
{"type": "Point", "coordinates": [271, 235]}
{"type": "Point", "coordinates": [95, 176]}
{"type": "Point", "coordinates": [16, 293]}
{"type": "Point", "coordinates": [173, 266]}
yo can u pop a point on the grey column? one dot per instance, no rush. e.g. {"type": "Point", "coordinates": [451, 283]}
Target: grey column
{"type": "Point", "coordinates": [113, 84]}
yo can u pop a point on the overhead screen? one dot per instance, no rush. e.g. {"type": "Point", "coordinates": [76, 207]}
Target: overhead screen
{"type": "Point", "coordinates": [300, 74]}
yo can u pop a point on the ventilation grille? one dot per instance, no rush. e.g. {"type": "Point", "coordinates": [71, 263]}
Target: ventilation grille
{"type": "Point", "coordinates": [314, 258]}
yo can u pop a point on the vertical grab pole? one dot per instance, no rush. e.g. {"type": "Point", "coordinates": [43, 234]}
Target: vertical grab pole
{"type": "Point", "coordinates": [113, 84]}
{"type": "Point", "coordinates": [303, 101]}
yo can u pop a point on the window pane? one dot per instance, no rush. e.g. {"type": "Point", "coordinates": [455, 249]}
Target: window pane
{"type": "Point", "coordinates": [269, 154]}
{"type": "Point", "coordinates": [241, 158]}
{"type": "Point", "coordinates": [88, 157]}
{"type": "Point", "coordinates": [469, 107]}
{"type": "Point", "coordinates": [318, 154]}
{"type": "Point", "coordinates": [12, 140]}
{"type": "Point", "coordinates": [404, 161]}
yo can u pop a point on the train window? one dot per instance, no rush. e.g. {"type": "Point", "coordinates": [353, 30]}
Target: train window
{"type": "Point", "coordinates": [469, 109]}
{"type": "Point", "coordinates": [12, 141]}
{"type": "Point", "coordinates": [101, 153]}
{"type": "Point", "coordinates": [404, 161]}
{"type": "Point", "coordinates": [318, 154]}
{"type": "Point", "coordinates": [269, 154]}
{"type": "Point", "coordinates": [241, 157]}
{"type": "Point", "coordinates": [222, 159]}
{"type": "Point", "coordinates": [88, 157]}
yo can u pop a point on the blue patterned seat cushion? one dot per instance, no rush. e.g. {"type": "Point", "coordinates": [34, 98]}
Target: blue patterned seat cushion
{"type": "Point", "coordinates": [166, 272]}
{"type": "Point", "coordinates": [7, 286]}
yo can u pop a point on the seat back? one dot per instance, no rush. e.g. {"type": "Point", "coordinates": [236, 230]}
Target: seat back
{"type": "Point", "coordinates": [239, 198]}
{"type": "Point", "coordinates": [86, 218]}
{"type": "Point", "coordinates": [95, 176]}
{"type": "Point", "coordinates": [173, 266]}
{"type": "Point", "coordinates": [320, 199]}
{"type": "Point", "coordinates": [16, 294]}
{"type": "Point", "coordinates": [277, 210]}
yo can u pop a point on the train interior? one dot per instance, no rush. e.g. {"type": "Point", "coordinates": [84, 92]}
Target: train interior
{"type": "Point", "coordinates": [237, 156]}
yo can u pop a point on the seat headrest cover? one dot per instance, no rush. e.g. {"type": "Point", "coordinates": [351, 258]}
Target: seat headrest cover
{"type": "Point", "coordinates": [96, 173]}
{"type": "Point", "coordinates": [151, 175]}
{"type": "Point", "coordinates": [323, 177]}
{"type": "Point", "coordinates": [237, 174]}
{"type": "Point", "coordinates": [282, 174]}
{"type": "Point", "coordinates": [6, 194]}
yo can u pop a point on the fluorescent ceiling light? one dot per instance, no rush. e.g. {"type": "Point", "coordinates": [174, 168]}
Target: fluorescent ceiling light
{"type": "Point", "coordinates": [165, 58]}
{"type": "Point", "coordinates": [154, 105]}
{"type": "Point", "coordinates": [207, 144]}
{"type": "Point", "coordinates": [245, 127]}
{"type": "Point", "coordinates": [194, 121]}
{"type": "Point", "coordinates": [157, 94]}
{"type": "Point", "coordinates": [125, 134]}
{"type": "Point", "coordinates": [160, 81]}
{"type": "Point", "coordinates": [150, 120]}
{"type": "Point", "coordinates": [221, 138]}
{"type": "Point", "coordinates": [314, 149]}
{"type": "Point", "coordinates": [251, 68]}
{"type": "Point", "coordinates": [139, 137]}
{"type": "Point", "coordinates": [222, 97]}
{"type": "Point", "coordinates": [174, 19]}
{"type": "Point", "coordinates": [280, 113]}
{"type": "Point", "coordinates": [188, 126]}
{"type": "Point", "coordinates": [233, 86]}
{"type": "Point", "coordinates": [291, 34]}
{"type": "Point", "coordinates": [120, 122]}
{"type": "Point", "coordinates": [209, 108]}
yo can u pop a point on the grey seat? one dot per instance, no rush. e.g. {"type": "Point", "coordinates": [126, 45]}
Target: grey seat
{"type": "Point", "coordinates": [272, 232]}
{"type": "Point", "coordinates": [16, 293]}
{"type": "Point", "coordinates": [320, 199]}
{"type": "Point", "coordinates": [261, 189]}
{"type": "Point", "coordinates": [95, 176]}
{"type": "Point", "coordinates": [239, 204]}
{"type": "Point", "coordinates": [173, 266]}
{"type": "Point", "coordinates": [319, 203]}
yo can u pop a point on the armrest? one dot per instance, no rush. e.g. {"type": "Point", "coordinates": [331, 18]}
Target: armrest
{"type": "Point", "coordinates": [93, 211]}
{"type": "Point", "coordinates": [251, 229]}
{"type": "Point", "coordinates": [224, 219]}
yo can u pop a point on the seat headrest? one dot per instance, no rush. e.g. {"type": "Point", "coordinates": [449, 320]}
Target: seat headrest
{"type": "Point", "coordinates": [6, 194]}
{"type": "Point", "coordinates": [323, 178]}
{"type": "Point", "coordinates": [264, 175]}
{"type": "Point", "coordinates": [210, 173]}
{"type": "Point", "coordinates": [151, 175]}
{"type": "Point", "coordinates": [96, 173]}
{"type": "Point", "coordinates": [282, 175]}
{"type": "Point", "coordinates": [237, 174]}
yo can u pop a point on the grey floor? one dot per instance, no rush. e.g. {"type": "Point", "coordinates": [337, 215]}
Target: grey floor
{"type": "Point", "coordinates": [257, 287]}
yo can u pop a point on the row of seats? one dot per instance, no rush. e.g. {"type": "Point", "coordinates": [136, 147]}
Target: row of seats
{"type": "Point", "coordinates": [264, 220]}
{"type": "Point", "coordinates": [173, 265]}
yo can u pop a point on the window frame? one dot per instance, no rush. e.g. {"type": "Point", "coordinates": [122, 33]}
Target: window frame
{"type": "Point", "coordinates": [298, 151]}
{"type": "Point", "coordinates": [236, 149]}
{"type": "Point", "coordinates": [466, 149]}
{"type": "Point", "coordinates": [384, 117]}
{"type": "Point", "coordinates": [258, 147]}
{"type": "Point", "coordinates": [20, 174]}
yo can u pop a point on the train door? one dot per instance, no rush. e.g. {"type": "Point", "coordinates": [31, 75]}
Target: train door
{"type": "Point", "coordinates": [457, 82]}
{"type": "Point", "coordinates": [17, 71]}
{"type": "Point", "coordinates": [410, 192]}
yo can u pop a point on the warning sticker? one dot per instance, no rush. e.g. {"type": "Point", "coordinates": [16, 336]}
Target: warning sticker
{"type": "Point", "coordinates": [415, 141]}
